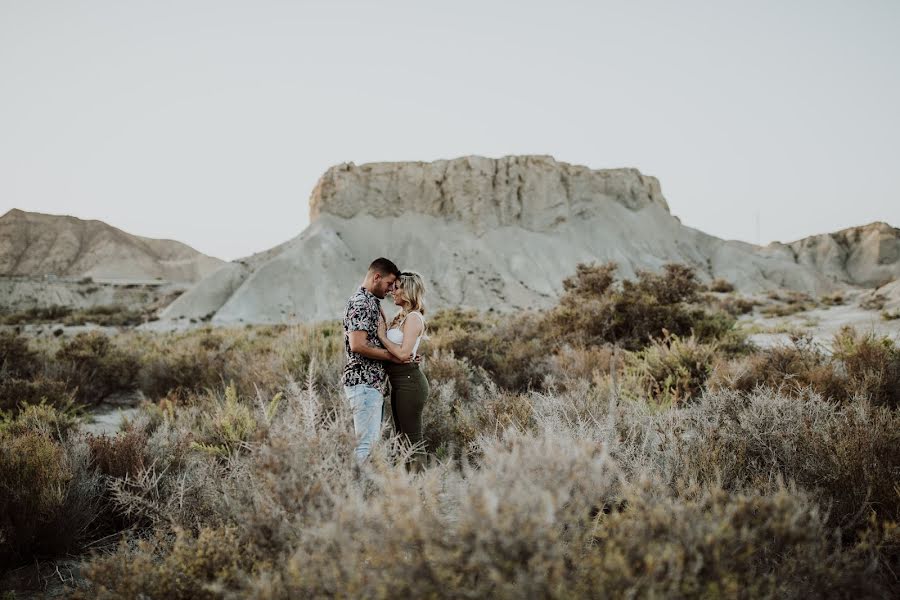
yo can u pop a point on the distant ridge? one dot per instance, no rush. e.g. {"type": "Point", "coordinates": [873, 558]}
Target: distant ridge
{"type": "Point", "coordinates": [35, 244]}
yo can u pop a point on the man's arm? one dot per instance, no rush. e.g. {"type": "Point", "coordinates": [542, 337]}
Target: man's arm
{"type": "Point", "coordinates": [359, 344]}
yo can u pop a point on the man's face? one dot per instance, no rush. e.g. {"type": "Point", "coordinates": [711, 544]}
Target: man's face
{"type": "Point", "coordinates": [384, 284]}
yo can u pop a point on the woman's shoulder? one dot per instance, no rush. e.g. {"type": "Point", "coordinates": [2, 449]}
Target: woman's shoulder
{"type": "Point", "coordinates": [418, 314]}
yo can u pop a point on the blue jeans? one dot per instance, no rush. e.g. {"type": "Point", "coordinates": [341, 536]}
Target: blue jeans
{"type": "Point", "coordinates": [366, 403]}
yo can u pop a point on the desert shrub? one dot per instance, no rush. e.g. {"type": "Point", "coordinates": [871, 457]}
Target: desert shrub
{"type": "Point", "coordinates": [706, 542]}
{"type": "Point", "coordinates": [735, 305]}
{"type": "Point", "coordinates": [721, 286]}
{"type": "Point", "coordinates": [558, 494]}
{"type": "Point", "coordinates": [33, 482]}
{"type": "Point", "coordinates": [190, 362]}
{"type": "Point", "coordinates": [871, 364]}
{"type": "Point", "coordinates": [453, 425]}
{"type": "Point", "coordinates": [833, 299]}
{"type": "Point", "coordinates": [314, 351]}
{"type": "Point", "coordinates": [15, 393]}
{"type": "Point", "coordinates": [509, 535]}
{"type": "Point", "coordinates": [848, 456]}
{"type": "Point", "coordinates": [860, 365]}
{"type": "Point", "coordinates": [188, 567]}
{"type": "Point", "coordinates": [873, 301]}
{"type": "Point", "coordinates": [17, 359]}
{"type": "Point", "coordinates": [457, 318]}
{"type": "Point", "coordinates": [229, 424]}
{"type": "Point", "coordinates": [48, 495]}
{"type": "Point", "coordinates": [512, 350]}
{"type": "Point", "coordinates": [95, 367]}
{"type": "Point", "coordinates": [121, 455]}
{"type": "Point", "coordinates": [794, 368]}
{"type": "Point", "coordinates": [112, 315]}
{"type": "Point", "coordinates": [55, 422]}
{"type": "Point", "coordinates": [672, 370]}
{"type": "Point", "coordinates": [445, 369]}
{"type": "Point", "coordinates": [593, 310]}
{"type": "Point", "coordinates": [790, 303]}
{"type": "Point", "coordinates": [571, 365]}
{"type": "Point", "coordinates": [784, 310]}
{"type": "Point", "coordinates": [49, 314]}
{"type": "Point", "coordinates": [257, 358]}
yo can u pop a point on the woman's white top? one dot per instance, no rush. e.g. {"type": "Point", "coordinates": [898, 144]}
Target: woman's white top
{"type": "Point", "coordinates": [395, 334]}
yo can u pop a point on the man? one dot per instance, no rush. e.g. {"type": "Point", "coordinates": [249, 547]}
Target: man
{"type": "Point", "coordinates": [364, 378]}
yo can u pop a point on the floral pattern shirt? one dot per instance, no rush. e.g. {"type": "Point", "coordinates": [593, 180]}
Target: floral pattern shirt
{"type": "Point", "coordinates": [362, 314]}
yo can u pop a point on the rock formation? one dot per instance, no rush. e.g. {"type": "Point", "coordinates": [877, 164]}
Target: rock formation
{"type": "Point", "coordinates": [34, 244]}
{"type": "Point", "coordinates": [486, 233]}
{"type": "Point", "coordinates": [867, 256]}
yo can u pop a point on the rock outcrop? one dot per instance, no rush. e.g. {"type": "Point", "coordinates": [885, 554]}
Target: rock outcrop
{"type": "Point", "coordinates": [867, 256]}
{"type": "Point", "coordinates": [486, 233]}
{"type": "Point", "coordinates": [34, 244]}
{"type": "Point", "coordinates": [533, 192]}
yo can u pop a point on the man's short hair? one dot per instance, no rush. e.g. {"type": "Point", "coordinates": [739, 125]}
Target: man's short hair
{"type": "Point", "coordinates": [384, 267]}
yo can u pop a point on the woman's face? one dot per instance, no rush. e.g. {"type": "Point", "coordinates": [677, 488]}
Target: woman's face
{"type": "Point", "coordinates": [398, 295]}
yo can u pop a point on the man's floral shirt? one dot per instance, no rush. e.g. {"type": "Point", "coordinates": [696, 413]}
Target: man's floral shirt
{"type": "Point", "coordinates": [362, 313]}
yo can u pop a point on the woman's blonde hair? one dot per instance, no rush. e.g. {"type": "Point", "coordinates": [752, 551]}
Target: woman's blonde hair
{"type": "Point", "coordinates": [413, 286]}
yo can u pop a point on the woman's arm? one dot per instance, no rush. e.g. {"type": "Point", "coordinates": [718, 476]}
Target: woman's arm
{"type": "Point", "coordinates": [412, 328]}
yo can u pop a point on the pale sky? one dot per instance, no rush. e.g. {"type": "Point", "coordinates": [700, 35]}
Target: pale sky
{"type": "Point", "coordinates": [210, 122]}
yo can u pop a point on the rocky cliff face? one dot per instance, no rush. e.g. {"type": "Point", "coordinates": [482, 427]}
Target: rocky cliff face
{"type": "Point", "coordinates": [34, 244]}
{"type": "Point", "coordinates": [536, 193]}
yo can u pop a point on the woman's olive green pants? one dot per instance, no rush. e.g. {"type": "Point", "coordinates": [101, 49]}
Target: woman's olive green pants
{"type": "Point", "coordinates": [409, 390]}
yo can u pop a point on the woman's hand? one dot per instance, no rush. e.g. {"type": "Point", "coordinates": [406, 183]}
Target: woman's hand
{"type": "Point", "coordinates": [382, 329]}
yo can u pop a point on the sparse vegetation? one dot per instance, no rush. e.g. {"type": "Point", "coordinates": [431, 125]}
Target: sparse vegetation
{"type": "Point", "coordinates": [104, 315]}
{"type": "Point", "coordinates": [833, 299]}
{"type": "Point", "coordinates": [873, 301]}
{"type": "Point", "coordinates": [567, 458]}
{"type": "Point", "coordinates": [721, 286]}
{"type": "Point", "coordinates": [788, 304]}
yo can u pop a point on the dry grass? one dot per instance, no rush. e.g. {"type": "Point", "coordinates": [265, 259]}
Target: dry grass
{"type": "Point", "coordinates": [581, 469]}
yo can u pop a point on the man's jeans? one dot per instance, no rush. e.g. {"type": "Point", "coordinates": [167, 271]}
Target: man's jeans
{"type": "Point", "coordinates": [366, 403]}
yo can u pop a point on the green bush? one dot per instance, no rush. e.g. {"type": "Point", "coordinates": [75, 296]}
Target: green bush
{"type": "Point", "coordinates": [594, 311]}
{"type": "Point", "coordinates": [859, 366]}
{"type": "Point", "coordinates": [871, 364]}
{"type": "Point", "coordinates": [95, 367]}
{"type": "Point", "coordinates": [18, 392]}
{"type": "Point", "coordinates": [513, 350]}
{"type": "Point", "coordinates": [50, 314]}
{"type": "Point", "coordinates": [55, 422]}
{"type": "Point", "coordinates": [49, 499]}
{"type": "Point", "coordinates": [231, 424]}
{"type": "Point", "coordinates": [672, 370]}
{"type": "Point", "coordinates": [793, 368]}
{"type": "Point", "coordinates": [721, 286]}
{"type": "Point", "coordinates": [17, 359]}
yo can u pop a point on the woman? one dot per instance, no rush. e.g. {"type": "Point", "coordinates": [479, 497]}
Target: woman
{"type": "Point", "coordinates": [409, 387]}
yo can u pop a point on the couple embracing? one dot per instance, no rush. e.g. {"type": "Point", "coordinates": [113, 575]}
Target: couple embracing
{"type": "Point", "coordinates": [381, 352]}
